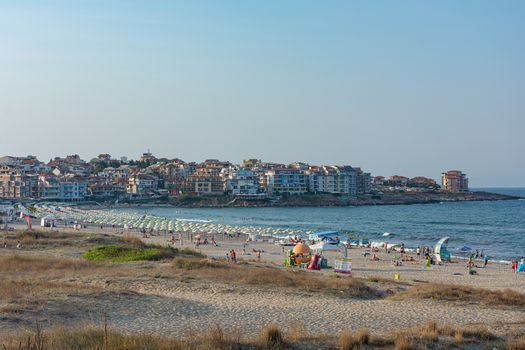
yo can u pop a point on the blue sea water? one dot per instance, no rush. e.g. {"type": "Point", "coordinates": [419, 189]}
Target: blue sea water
{"type": "Point", "coordinates": [496, 227]}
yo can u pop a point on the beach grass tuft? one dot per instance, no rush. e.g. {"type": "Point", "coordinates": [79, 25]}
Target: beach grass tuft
{"type": "Point", "coordinates": [272, 337]}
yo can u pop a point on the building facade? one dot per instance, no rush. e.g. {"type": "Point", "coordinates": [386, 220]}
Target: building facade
{"type": "Point", "coordinates": [243, 182]}
{"type": "Point", "coordinates": [454, 181]}
{"type": "Point", "coordinates": [286, 181]}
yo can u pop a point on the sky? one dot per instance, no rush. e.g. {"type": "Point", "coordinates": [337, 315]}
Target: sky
{"type": "Point", "coordinates": [395, 87]}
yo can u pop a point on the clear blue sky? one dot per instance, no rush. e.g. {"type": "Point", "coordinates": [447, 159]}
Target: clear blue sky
{"type": "Point", "coordinates": [397, 87]}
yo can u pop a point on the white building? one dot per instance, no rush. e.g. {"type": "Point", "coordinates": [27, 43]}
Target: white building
{"type": "Point", "coordinates": [243, 182]}
{"type": "Point", "coordinates": [334, 180]}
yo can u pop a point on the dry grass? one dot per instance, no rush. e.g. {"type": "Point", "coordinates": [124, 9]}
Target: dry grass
{"type": "Point", "coordinates": [478, 332]}
{"type": "Point", "coordinates": [458, 336]}
{"type": "Point", "coordinates": [133, 240]}
{"type": "Point", "coordinates": [464, 294]}
{"type": "Point", "coordinates": [363, 336]}
{"type": "Point", "coordinates": [347, 341]}
{"type": "Point", "coordinates": [516, 344]}
{"type": "Point", "coordinates": [272, 337]}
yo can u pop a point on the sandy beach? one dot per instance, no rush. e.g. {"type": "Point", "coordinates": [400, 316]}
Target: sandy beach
{"type": "Point", "coordinates": [137, 302]}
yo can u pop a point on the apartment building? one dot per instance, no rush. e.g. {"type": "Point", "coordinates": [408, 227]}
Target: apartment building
{"type": "Point", "coordinates": [142, 184]}
{"type": "Point", "coordinates": [333, 179]}
{"type": "Point", "coordinates": [454, 181]}
{"type": "Point", "coordinates": [286, 181]}
{"type": "Point", "coordinates": [243, 182]}
{"type": "Point", "coordinates": [204, 183]}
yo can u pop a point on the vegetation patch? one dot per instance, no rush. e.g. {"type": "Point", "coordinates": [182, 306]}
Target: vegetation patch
{"type": "Point", "coordinates": [136, 251]}
{"type": "Point", "coordinates": [117, 253]}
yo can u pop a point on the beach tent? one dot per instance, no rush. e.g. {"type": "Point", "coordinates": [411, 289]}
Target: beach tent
{"type": "Point", "coordinates": [361, 242]}
{"type": "Point", "coordinates": [441, 251]}
{"type": "Point", "coordinates": [324, 235]}
{"type": "Point", "coordinates": [325, 247]}
{"type": "Point", "coordinates": [254, 237]}
{"type": "Point", "coordinates": [464, 249]}
{"type": "Point", "coordinates": [301, 248]}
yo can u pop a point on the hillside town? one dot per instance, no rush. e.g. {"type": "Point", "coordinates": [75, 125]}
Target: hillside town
{"type": "Point", "coordinates": [104, 178]}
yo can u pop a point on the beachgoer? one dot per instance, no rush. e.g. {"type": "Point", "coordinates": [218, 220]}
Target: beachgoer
{"type": "Point", "coordinates": [427, 262]}
{"type": "Point", "coordinates": [418, 252]}
{"type": "Point", "coordinates": [485, 261]}
{"type": "Point", "coordinates": [482, 255]}
{"type": "Point", "coordinates": [259, 255]}
{"type": "Point", "coordinates": [514, 265]}
{"type": "Point", "coordinates": [386, 247]}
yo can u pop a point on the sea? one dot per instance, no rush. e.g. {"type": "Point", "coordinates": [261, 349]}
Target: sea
{"type": "Point", "coordinates": [496, 227]}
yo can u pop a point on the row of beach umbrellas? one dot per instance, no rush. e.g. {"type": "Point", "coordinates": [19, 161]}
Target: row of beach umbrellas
{"type": "Point", "coordinates": [135, 220]}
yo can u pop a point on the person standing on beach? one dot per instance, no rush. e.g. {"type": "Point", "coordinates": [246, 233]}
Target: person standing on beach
{"type": "Point", "coordinates": [386, 247]}
{"type": "Point", "coordinates": [485, 260]}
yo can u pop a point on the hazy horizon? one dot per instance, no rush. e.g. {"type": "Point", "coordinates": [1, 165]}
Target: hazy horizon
{"type": "Point", "coordinates": [408, 88]}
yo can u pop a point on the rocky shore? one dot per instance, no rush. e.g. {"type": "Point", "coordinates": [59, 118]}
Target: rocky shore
{"type": "Point", "coordinates": [323, 200]}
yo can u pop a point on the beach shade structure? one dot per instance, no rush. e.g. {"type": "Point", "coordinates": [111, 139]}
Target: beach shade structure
{"type": "Point", "coordinates": [441, 251]}
{"type": "Point", "coordinates": [325, 247]}
{"type": "Point", "coordinates": [464, 250]}
{"type": "Point", "coordinates": [301, 248]}
{"type": "Point", "coordinates": [324, 235]}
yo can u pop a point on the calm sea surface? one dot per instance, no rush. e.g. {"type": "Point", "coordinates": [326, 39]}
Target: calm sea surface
{"type": "Point", "coordinates": [496, 227]}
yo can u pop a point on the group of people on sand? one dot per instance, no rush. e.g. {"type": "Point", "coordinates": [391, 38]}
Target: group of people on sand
{"type": "Point", "coordinates": [515, 264]}
{"type": "Point", "coordinates": [231, 256]}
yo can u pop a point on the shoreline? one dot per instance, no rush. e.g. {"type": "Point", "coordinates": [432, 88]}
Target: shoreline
{"type": "Point", "coordinates": [307, 201]}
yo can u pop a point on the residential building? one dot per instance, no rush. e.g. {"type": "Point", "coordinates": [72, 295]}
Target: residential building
{"type": "Point", "coordinates": [142, 185]}
{"type": "Point", "coordinates": [73, 189]}
{"type": "Point", "coordinates": [48, 187]}
{"type": "Point", "coordinates": [15, 183]}
{"type": "Point", "coordinates": [333, 179]}
{"type": "Point", "coordinates": [204, 183]}
{"type": "Point", "coordinates": [397, 181]}
{"type": "Point", "coordinates": [286, 181]}
{"type": "Point", "coordinates": [421, 181]}
{"type": "Point", "coordinates": [454, 181]}
{"type": "Point", "coordinates": [243, 183]}
{"type": "Point", "coordinates": [102, 190]}
{"type": "Point", "coordinates": [251, 163]}
{"type": "Point", "coordinates": [364, 182]}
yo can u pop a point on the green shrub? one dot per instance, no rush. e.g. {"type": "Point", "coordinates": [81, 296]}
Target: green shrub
{"type": "Point", "coordinates": [117, 253]}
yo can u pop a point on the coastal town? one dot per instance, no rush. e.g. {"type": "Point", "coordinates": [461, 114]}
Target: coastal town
{"type": "Point", "coordinates": [105, 178]}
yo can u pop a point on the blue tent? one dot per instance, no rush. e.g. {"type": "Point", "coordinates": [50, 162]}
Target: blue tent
{"type": "Point", "coordinates": [464, 249]}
